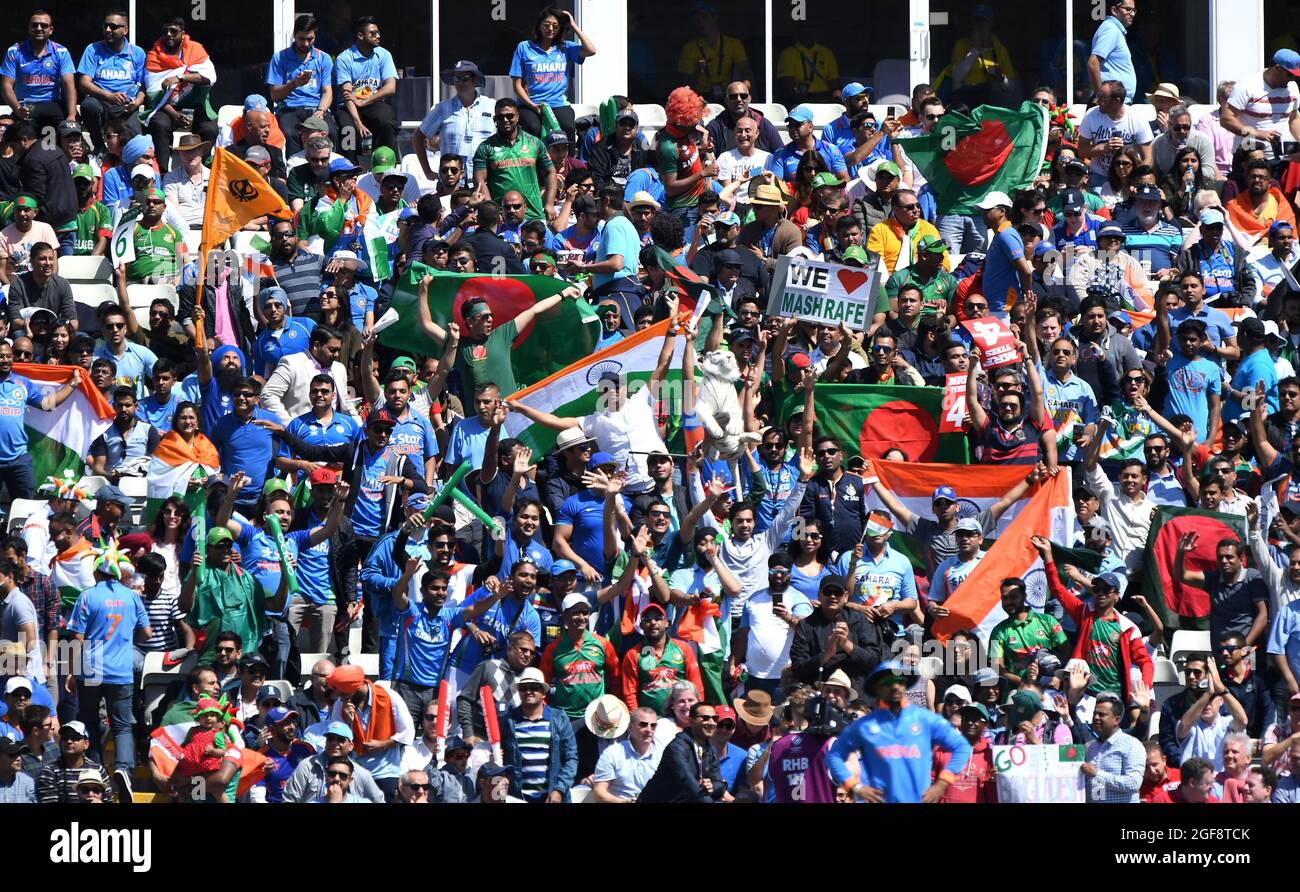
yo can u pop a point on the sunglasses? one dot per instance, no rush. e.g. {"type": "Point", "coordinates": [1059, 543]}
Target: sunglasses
{"type": "Point", "coordinates": [737, 95]}
{"type": "Point", "coordinates": [658, 514]}
{"type": "Point", "coordinates": [342, 775]}
{"type": "Point", "coordinates": [828, 452]}
{"type": "Point", "coordinates": [971, 306]}
{"type": "Point", "coordinates": [909, 207]}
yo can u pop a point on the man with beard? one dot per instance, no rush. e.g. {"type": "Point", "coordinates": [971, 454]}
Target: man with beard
{"type": "Point", "coordinates": [242, 443]}
{"type": "Point", "coordinates": [649, 673]}
{"type": "Point", "coordinates": [156, 243]}
{"type": "Point", "coordinates": [510, 610]}
{"type": "Point", "coordinates": [1262, 204]}
{"type": "Point", "coordinates": [613, 159]}
{"type": "Point", "coordinates": [281, 335]}
{"type": "Point", "coordinates": [283, 749]}
{"type": "Point", "coordinates": [768, 620]}
{"type": "Point", "coordinates": [497, 675]}
{"type": "Point", "coordinates": [18, 395]}
{"type": "Point", "coordinates": [580, 665]}
{"type": "Point", "coordinates": [1221, 267]}
{"type": "Point", "coordinates": [833, 638]}
{"type": "Point", "coordinates": [1147, 236]}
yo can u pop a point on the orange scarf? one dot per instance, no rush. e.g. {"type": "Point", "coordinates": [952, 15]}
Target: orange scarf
{"type": "Point", "coordinates": [1241, 213]}
{"type": "Point", "coordinates": [381, 718]}
{"type": "Point", "coordinates": [158, 59]}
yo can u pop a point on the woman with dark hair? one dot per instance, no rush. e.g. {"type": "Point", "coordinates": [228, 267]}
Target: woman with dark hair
{"type": "Point", "coordinates": [336, 312]}
{"type": "Point", "coordinates": [807, 548]}
{"type": "Point", "coordinates": [1119, 177]}
{"type": "Point", "coordinates": [170, 527]}
{"type": "Point", "coordinates": [54, 350]}
{"type": "Point", "coordinates": [811, 164]}
{"type": "Point", "coordinates": [540, 69]}
{"type": "Point", "coordinates": [1185, 179]}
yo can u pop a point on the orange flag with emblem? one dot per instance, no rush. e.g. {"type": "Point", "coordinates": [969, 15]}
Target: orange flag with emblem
{"type": "Point", "coordinates": [236, 194]}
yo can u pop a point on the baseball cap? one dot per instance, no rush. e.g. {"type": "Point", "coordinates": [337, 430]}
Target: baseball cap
{"type": "Point", "coordinates": [257, 154]}
{"type": "Point", "coordinates": [11, 747]}
{"type": "Point", "coordinates": [248, 661]}
{"type": "Point", "coordinates": [454, 743]}
{"type": "Point", "coordinates": [83, 172]}
{"type": "Point", "coordinates": [417, 501]}
{"type": "Point", "coordinates": [1288, 59]}
{"type": "Point", "coordinates": [584, 204]}
{"type": "Point", "coordinates": [994, 200]}
{"type": "Point", "coordinates": [573, 600]}
{"type": "Point", "coordinates": [315, 124]}
{"type": "Point", "coordinates": [17, 683]}
{"type": "Point", "coordinates": [492, 769]}
{"type": "Point", "coordinates": [1147, 192]}
{"type": "Point", "coordinates": [1043, 248]}
{"type": "Point", "coordinates": [1112, 580]}
{"type": "Point", "coordinates": [557, 138]}
{"type": "Point", "coordinates": [1110, 230]}
{"type": "Point", "coordinates": [382, 159]}
{"type": "Point", "coordinates": [1121, 318]}
{"type": "Point", "coordinates": [628, 114]}
{"type": "Point", "coordinates": [888, 167]}
{"type": "Point", "coordinates": [960, 691]}
{"type": "Point", "coordinates": [1252, 328]}
{"type": "Point", "coordinates": [111, 493]}
{"type": "Point", "coordinates": [601, 458]}
{"type": "Point", "coordinates": [1211, 217]}
{"type": "Point", "coordinates": [969, 525]}
{"type": "Point", "coordinates": [730, 218]}
{"type": "Point", "coordinates": [729, 257]}
{"type": "Point", "coordinates": [780, 559]}
{"type": "Point", "coordinates": [854, 88]}
{"type": "Point", "coordinates": [278, 714]}
{"type": "Point", "coordinates": [944, 492]}
{"type": "Point", "coordinates": [67, 128]}
{"type": "Point", "coordinates": [342, 165]}
{"type": "Point", "coordinates": [1074, 164]}
{"type": "Point", "coordinates": [835, 582]}
{"type": "Point", "coordinates": [142, 170]}
{"type": "Point", "coordinates": [826, 178]}
{"type": "Point", "coordinates": [323, 476]}
{"type": "Point", "coordinates": [801, 113]}
{"type": "Point", "coordinates": [655, 607]}
{"type": "Point", "coordinates": [404, 362]}
{"type": "Point", "coordinates": [77, 728]}
{"type": "Point", "coordinates": [1072, 200]}
{"type": "Point", "coordinates": [886, 667]}
{"type": "Point", "coordinates": [255, 102]}
{"type": "Point", "coordinates": [724, 713]}
{"type": "Point", "coordinates": [338, 729]}
{"type": "Point", "coordinates": [979, 708]}
{"type": "Point", "coordinates": [562, 566]}
{"type": "Point", "coordinates": [383, 416]}
{"type": "Point", "coordinates": [931, 244]}
{"type": "Point", "coordinates": [857, 253]}
{"type": "Point", "coordinates": [1279, 225]}
{"type": "Point", "coordinates": [268, 692]}
{"type": "Point", "coordinates": [219, 534]}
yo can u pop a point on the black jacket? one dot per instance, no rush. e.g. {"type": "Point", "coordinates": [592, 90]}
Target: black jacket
{"type": "Point", "coordinates": [752, 269]}
{"type": "Point", "coordinates": [869, 648]}
{"type": "Point", "coordinates": [301, 701]}
{"type": "Point", "coordinates": [722, 130]}
{"type": "Point", "coordinates": [677, 779]}
{"type": "Point", "coordinates": [46, 175]}
{"type": "Point", "coordinates": [840, 508]}
{"type": "Point", "coordinates": [235, 293]}
{"type": "Point", "coordinates": [604, 160]}
{"type": "Point", "coordinates": [486, 247]}
{"type": "Point", "coordinates": [351, 456]}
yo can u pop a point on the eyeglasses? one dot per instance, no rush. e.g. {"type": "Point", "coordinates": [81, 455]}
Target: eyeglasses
{"type": "Point", "coordinates": [976, 306]}
{"type": "Point", "coordinates": [933, 117]}
{"type": "Point", "coordinates": [909, 207]}
{"type": "Point", "coordinates": [504, 117]}
{"type": "Point", "coordinates": [828, 452]}
{"type": "Point", "coordinates": [808, 535]}
{"type": "Point", "coordinates": [513, 207]}
{"type": "Point", "coordinates": [707, 719]}
{"type": "Point", "coordinates": [109, 26]}
{"type": "Point", "coordinates": [1013, 407]}
{"type": "Point", "coordinates": [287, 233]}
{"type": "Point", "coordinates": [737, 95]}
{"type": "Point", "coordinates": [880, 348]}
{"type": "Point", "coordinates": [39, 26]}
{"type": "Point", "coordinates": [1124, 163]}
{"type": "Point", "coordinates": [1137, 379]}
{"type": "Point", "coordinates": [1064, 351]}
{"type": "Point", "coordinates": [339, 775]}
{"type": "Point", "coordinates": [1039, 211]}
{"type": "Point", "coordinates": [424, 787]}
{"type": "Point", "coordinates": [114, 326]}
{"type": "Point", "coordinates": [531, 689]}
{"type": "Point", "coordinates": [225, 650]}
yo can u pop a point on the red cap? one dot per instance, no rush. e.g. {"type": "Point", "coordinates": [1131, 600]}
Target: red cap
{"type": "Point", "coordinates": [383, 416]}
{"type": "Point", "coordinates": [324, 475]}
{"type": "Point", "coordinates": [653, 606]}
{"type": "Point", "coordinates": [725, 713]}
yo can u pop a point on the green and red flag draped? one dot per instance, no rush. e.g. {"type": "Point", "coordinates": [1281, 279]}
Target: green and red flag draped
{"type": "Point", "coordinates": [1168, 526]}
{"type": "Point", "coordinates": [690, 284]}
{"type": "Point", "coordinates": [541, 349]}
{"type": "Point", "coordinates": [992, 149]}
{"type": "Point", "coordinates": [871, 419]}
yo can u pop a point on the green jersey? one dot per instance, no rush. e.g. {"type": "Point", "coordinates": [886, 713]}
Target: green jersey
{"type": "Point", "coordinates": [577, 673]}
{"type": "Point", "coordinates": [1014, 643]}
{"type": "Point", "coordinates": [155, 253]}
{"type": "Point", "coordinates": [655, 676]}
{"type": "Point", "coordinates": [515, 167]}
{"type": "Point", "coordinates": [488, 360]}
{"type": "Point", "coordinates": [936, 295]}
{"type": "Point", "coordinates": [93, 222]}
{"type": "Point", "coordinates": [1104, 658]}
{"type": "Point", "coordinates": [681, 158]}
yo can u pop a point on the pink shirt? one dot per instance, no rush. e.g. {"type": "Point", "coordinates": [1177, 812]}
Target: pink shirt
{"type": "Point", "coordinates": [1222, 139]}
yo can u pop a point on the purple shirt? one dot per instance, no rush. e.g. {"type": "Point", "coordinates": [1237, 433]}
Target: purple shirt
{"type": "Point", "coordinates": [797, 767]}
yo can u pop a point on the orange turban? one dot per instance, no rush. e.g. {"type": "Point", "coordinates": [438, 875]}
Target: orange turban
{"type": "Point", "coordinates": [347, 679]}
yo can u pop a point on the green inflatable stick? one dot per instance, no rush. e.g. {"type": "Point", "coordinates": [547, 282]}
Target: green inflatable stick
{"type": "Point", "coordinates": [274, 523]}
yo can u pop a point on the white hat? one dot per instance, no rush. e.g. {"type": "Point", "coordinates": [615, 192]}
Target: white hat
{"type": "Point", "coordinates": [993, 200]}
{"type": "Point", "coordinates": [142, 170]}
{"type": "Point", "coordinates": [570, 436]}
{"type": "Point", "coordinates": [960, 691]}
{"type": "Point", "coordinates": [17, 683]}
{"type": "Point", "coordinates": [531, 675]}
{"type": "Point", "coordinates": [574, 600]}
{"type": "Point", "coordinates": [607, 717]}
{"type": "Point", "coordinates": [839, 679]}
{"type": "Point", "coordinates": [1070, 665]}
{"type": "Point", "coordinates": [643, 199]}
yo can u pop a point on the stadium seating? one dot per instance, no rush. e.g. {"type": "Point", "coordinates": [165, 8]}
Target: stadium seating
{"type": "Point", "coordinates": [88, 296]}
{"type": "Point", "coordinates": [85, 268]}
{"type": "Point", "coordinates": [20, 510]}
{"type": "Point", "coordinates": [1187, 642]}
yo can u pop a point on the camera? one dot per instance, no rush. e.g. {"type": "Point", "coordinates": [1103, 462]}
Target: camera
{"type": "Point", "coordinates": [823, 718]}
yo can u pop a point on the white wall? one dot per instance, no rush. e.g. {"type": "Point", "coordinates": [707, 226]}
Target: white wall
{"type": "Point", "coordinates": [604, 74]}
{"type": "Point", "coordinates": [1236, 39]}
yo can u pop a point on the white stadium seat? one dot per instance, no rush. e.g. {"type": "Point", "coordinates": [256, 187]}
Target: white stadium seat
{"type": "Point", "coordinates": [824, 113]}
{"type": "Point", "coordinates": [85, 268]}
{"type": "Point", "coordinates": [651, 115]}
{"type": "Point", "coordinates": [1187, 642]}
{"type": "Point", "coordinates": [20, 510]}
{"type": "Point", "coordinates": [773, 111]}
{"type": "Point", "coordinates": [88, 296]}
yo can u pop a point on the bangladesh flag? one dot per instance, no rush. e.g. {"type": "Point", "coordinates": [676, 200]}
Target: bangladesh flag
{"type": "Point", "coordinates": [870, 419]}
{"type": "Point", "coordinates": [992, 149]}
{"type": "Point", "coordinates": [1167, 528]}
{"type": "Point", "coordinates": [539, 350]}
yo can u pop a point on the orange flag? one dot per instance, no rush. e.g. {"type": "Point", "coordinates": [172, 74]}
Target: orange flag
{"type": "Point", "coordinates": [976, 604]}
{"type": "Point", "coordinates": [236, 195]}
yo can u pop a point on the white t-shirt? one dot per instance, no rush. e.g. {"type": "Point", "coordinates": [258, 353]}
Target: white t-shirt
{"type": "Point", "coordinates": [1265, 108]}
{"type": "Point", "coordinates": [1098, 127]}
{"type": "Point", "coordinates": [629, 434]}
{"type": "Point", "coordinates": [732, 164]}
{"type": "Point", "coordinates": [767, 651]}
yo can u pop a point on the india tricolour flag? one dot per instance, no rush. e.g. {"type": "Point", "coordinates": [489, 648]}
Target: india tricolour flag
{"type": "Point", "coordinates": [914, 486]}
{"type": "Point", "coordinates": [175, 463]}
{"type": "Point", "coordinates": [60, 440]}
{"type": "Point", "coordinates": [380, 232]}
{"type": "Point", "coordinates": [700, 624]}
{"type": "Point", "coordinates": [573, 392]}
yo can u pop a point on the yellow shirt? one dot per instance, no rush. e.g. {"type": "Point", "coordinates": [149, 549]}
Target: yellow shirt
{"type": "Point", "coordinates": [979, 71]}
{"type": "Point", "coordinates": [724, 61]}
{"type": "Point", "coordinates": [811, 67]}
{"type": "Point", "coordinates": [886, 239]}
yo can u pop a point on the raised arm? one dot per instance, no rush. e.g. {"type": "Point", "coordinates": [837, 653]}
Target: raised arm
{"type": "Point", "coordinates": [979, 420]}
{"type": "Point", "coordinates": [430, 328]}
{"type": "Point", "coordinates": [1186, 543]}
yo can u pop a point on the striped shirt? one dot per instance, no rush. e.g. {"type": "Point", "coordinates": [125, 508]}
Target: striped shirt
{"type": "Point", "coordinates": [534, 741]}
{"type": "Point", "coordinates": [300, 279]}
{"type": "Point", "coordinates": [164, 611]}
{"type": "Point", "coordinates": [1265, 108]}
{"type": "Point", "coordinates": [57, 783]}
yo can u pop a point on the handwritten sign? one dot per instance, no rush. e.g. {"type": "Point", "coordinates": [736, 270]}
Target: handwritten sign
{"type": "Point", "coordinates": [996, 342]}
{"type": "Point", "coordinates": [825, 293]}
{"type": "Point", "coordinates": [1039, 773]}
{"type": "Point", "coordinates": [954, 404]}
